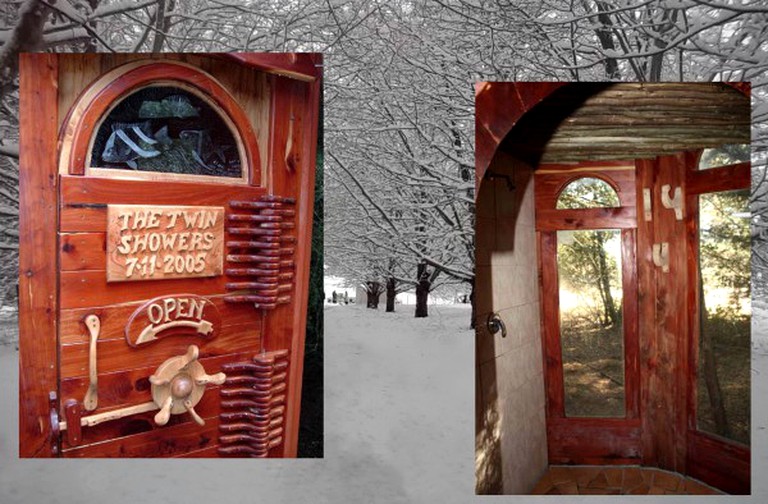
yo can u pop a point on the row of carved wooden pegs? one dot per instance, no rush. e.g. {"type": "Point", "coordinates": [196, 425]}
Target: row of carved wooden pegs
{"type": "Point", "coordinates": [253, 405]}
{"type": "Point", "coordinates": [260, 251]}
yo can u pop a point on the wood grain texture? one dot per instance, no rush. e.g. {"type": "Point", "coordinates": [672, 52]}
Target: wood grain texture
{"type": "Point", "coordinates": [719, 463]}
{"type": "Point", "coordinates": [38, 296]}
{"type": "Point", "coordinates": [586, 218]}
{"type": "Point", "coordinates": [494, 122]}
{"type": "Point", "coordinates": [115, 354]}
{"type": "Point", "coordinates": [302, 66]}
{"type": "Point", "coordinates": [550, 310]}
{"type": "Point", "coordinates": [726, 178]}
{"type": "Point", "coordinates": [126, 387]}
{"type": "Point", "coordinates": [552, 179]}
{"type": "Point", "coordinates": [593, 441]}
{"type": "Point", "coordinates": [303, 191]}
{"type": "Point", "coordinates": [646, 292]}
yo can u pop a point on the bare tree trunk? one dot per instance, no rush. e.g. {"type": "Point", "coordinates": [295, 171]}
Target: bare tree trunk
{"type": "Point", "coordinates": [373, 291]}
{"type": "Point", "coordinates": [90, 46]}
{"type": "Point", "coordinates": [709, 369]}
{"type": "Point", "coordinates": [162, 24]}
{"type": "Point", "coordinates": [422, 291]}
{"type": "Point", "coordinates": [391, 293]}
{"type": "Point", "coordinates": [27, 36]}
{"type": "Point", "coordinates": [604, 32]}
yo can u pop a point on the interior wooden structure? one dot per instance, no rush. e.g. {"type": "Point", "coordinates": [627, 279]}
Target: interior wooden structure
{"type": "Point", "coordinates": [532, 140]}
{"type": "Point", "coordinates": [87, 384]}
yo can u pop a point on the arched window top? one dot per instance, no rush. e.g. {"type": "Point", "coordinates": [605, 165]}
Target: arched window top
{"type": "Point", "coordinates": [587, 192]}
{"type": "Point", "coordinates": [166, 129]}
{"type": "Point", "coordinates": [724, 155]}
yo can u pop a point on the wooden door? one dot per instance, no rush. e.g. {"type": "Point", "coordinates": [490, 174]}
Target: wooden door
{"type": "Point", "coordinates": [166, 216]}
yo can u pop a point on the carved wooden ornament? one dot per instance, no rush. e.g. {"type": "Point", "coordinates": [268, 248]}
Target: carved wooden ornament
{"type": "Point", "coordinates": [180, 314]}
{"type": "Point", "coordinates": [161, 242]}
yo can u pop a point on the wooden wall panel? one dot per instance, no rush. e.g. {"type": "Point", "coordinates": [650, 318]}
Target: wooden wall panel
{"type": "Point", "coordinates": [38, 296]}
{"type": "Point", "coordinates": [671, 370]}
{"type": "Point", "coordinates": [646, 293]}
{"type": "Point", "coordinates": [593, 441]}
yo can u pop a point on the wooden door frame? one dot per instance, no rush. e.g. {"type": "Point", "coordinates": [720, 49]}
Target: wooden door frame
{"type": "Point", "coordinates": [38, 220]}
{"type": "Point", "coordinates": [581, 440]}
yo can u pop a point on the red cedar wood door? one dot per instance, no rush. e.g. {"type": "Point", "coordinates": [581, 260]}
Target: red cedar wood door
{"type": "Point", "coordinates": [588, 440]}
{"type": "Point", "coordinates": [264, 223]}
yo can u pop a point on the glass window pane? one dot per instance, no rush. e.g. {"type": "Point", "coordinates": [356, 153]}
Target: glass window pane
{"type": "Point", "coordinates": [166, 129]}
{"type": "Point", "coordinates": [724, 155]}
{"type": "Point", "coordinates": [591, 334]}
{"type": "Point", "coordinates": [587, 192]}
{"type": "Point", "coordinates": [723, 384]}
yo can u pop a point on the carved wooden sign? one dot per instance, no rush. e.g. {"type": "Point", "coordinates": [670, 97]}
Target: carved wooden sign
{"type": "Point", "coordinates": [162, 242]}
{"type": "Point", "coordinates": [180, 314]}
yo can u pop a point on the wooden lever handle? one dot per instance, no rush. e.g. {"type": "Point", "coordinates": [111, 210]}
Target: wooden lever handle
{"type": "Point", "coordinates": [164, 414]}
{"type": "Point", "coordinates": [216, 379]}
{"type": "Point", "coordinates": [91, 400]}
{"type": "Point", "coordinates": [195, 416]}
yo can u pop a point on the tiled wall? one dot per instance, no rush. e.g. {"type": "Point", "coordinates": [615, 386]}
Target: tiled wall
{"type": "Point", "coordinates": [511, 445]}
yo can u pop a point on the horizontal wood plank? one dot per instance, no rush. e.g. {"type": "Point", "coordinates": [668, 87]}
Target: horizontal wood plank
{"type": "Point", "coordinates": [593, 441]}
{"type": "Point", "coordinates": [115, 355]}
{"type": "Point", "coordinates": [726, 178]}
{"type": "Point", "coordinates": [84, 199]}
{"type": "Point", "coordinates": [82, 251]}
{"type": "Point", "coordinates": [81, 289]}
{"type": "Point", "coordinates": [129, 387]}
{"type": "Point", "coordinates": [151, 440]}
{"type": "Point", "coordinates": [114, 318]}
{"type": "Point", "coordinates": [587, 218]}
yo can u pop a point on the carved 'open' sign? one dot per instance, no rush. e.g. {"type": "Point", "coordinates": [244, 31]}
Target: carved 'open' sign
{"type": "Point", "coordinates": [162, 242]}
{"type": "Point", "coordinates": [180, 314]}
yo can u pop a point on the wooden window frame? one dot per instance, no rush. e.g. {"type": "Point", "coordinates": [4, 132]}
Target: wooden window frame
{"type": "Point", "coordinates": [79, 129]}
{"type": "Point", "coordinates": [706, 451]}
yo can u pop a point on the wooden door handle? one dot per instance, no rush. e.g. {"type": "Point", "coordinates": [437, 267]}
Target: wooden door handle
{"type": "Point", "coordinates": [91, 400]}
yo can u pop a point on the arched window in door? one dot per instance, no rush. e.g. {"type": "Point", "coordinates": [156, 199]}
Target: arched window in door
{"type": "Point", "coordinates": [166, 129]}
{"type": "Point", "coordinates": [587, 192]}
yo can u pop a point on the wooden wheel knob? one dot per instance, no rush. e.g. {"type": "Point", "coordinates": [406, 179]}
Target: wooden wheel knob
{"type": "Point", "coordinates": [179, 384]}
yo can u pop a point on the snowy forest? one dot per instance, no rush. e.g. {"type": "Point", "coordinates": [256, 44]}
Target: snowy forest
{"type": "Point", "coordinates": [399, 99]}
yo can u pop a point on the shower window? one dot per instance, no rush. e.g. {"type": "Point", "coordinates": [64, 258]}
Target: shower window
{"type": "Point", "coordinates": [587, 192]}
{"type": "Point", "coordinates": [591, 328]}
{"type": "Point", "coordinates": [723, 367]}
